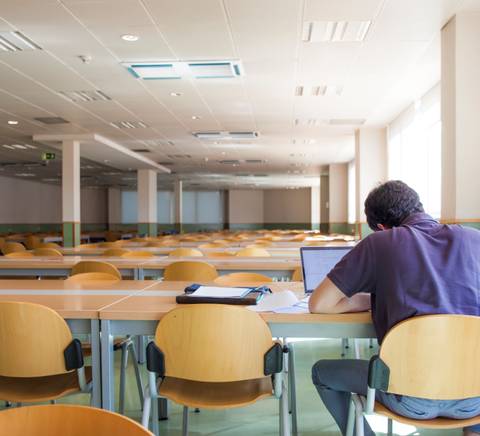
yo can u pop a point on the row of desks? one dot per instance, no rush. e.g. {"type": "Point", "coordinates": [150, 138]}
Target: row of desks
{"type": "Point", "coordinates": [135, 307]}
{"type": "Point", "coordinates": [279, 268]}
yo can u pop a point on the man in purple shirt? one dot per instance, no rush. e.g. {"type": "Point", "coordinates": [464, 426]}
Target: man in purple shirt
{"type": "Point", "coordinates": [411, 265]}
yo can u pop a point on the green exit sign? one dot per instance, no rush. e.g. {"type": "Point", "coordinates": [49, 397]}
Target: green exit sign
{"type": "Point", "coordinates": [48, 156]}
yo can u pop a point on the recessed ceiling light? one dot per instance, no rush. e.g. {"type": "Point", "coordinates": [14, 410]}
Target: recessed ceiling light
{"type": "Point", "coordinates": [19, 146]}
{"type": "Point", "coordinates": [195, 117]}
{"type": "Point", "coordinates": [12, 122]}
{"type": "Point", "coordinates": [25, 175]}
{"type": "Point", "coordinates": [9, 147]}
{"type": "Point", "coordinates": [175, 94]}
{"type": "Point", "coordinates": [130, 38]}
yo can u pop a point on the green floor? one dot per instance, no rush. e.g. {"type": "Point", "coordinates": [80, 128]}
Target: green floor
{"type": "Point", "coordinates": [262, 418]}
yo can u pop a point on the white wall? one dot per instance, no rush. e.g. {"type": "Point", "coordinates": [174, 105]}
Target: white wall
{"type": "Point", "coordinates": [245, 206]}
{"type": "Point", "coordinates": [287, 205]}
{"type": "Point", "coordinates": [30, 202]}
{"type": "Point", "coordinates": [338, 195]}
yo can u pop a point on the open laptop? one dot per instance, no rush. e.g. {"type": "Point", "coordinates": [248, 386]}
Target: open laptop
{"type": "Point", "coordinates": [317, 263]}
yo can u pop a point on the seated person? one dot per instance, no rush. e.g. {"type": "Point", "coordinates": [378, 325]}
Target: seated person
{"type": "Point", "coordinates": [411, 265]}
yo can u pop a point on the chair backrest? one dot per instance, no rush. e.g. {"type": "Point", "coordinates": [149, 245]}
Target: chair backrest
{"type": "Point", "coordinates": [12, 247]}
{"type": "Point", "coordinates": [67, 420]}
{"type": "Point", "coordinates": [185, 252]}
{"type": "Point", "coordinates": [95, 266]}
{"type": "Point", "coordinates": [213, 343]}
{"type": "Point", "coordinates": [297, 275]}
{"type": "Point", "coordinates": [139, 253]}
{"type": "Point", "coordinates": [48, 245]}
{"type": "Point", "coordinates": [33, 339]}
{"type": "Point", "coordinates": [253, 252]}
{"type": "Point", "coordinates": [52, 252]}
{"type": "Point", "coordinates": [32, 242]}
{"type": "Point", "coordinates": [211, 245]}
{"type": "Point", "coordinates": [222, 242]}
{"type": "Point", "coordinates": [91, 277]}
{"type": "Point", "coordinates": [233, 279]}
{"type": "Point", "coordinates": [20, 255]}
{"type": "Point", "coordinates": [190, 271]}
{"type": "Point", "coordinates": [219, 254]}
{"type": "Point", "coordinates": [2, 241]}
{"type": "Point", "coordinates": [166, 243]}
{"type": "Point", "coordinates": [115, 244]}
{"type": "Point", "coordinates": [434, 357]}
{"type": "Point", "coordinates": [114, 252]}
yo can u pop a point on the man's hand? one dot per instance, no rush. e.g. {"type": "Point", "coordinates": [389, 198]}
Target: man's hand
{"type": "Point", "coordinates": [327, 298]}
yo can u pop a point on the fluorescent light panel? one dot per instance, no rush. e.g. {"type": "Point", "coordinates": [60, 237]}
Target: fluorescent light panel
{"type": "Point", "coordinates": [16, 41]}
{"type": "Point", "coordinates": [85, 96]}
{"type": "Point", "coordinates": [335, 31]}
{"type": "Point", "coordinates": [129, 125]}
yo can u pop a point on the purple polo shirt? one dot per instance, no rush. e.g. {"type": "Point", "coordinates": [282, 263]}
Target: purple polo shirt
{"type": "Point", "coordinates": [419, 268]}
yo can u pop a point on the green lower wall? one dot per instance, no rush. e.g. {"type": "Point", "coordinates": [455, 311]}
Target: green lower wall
{"type": "Point", "coordinates": [342, 228]}
{"type": "Point", "coordinates": [48, 228]}
{"type": "Point", "coordinates": [474, 225]}
{"type": "Point", "coordinates": [148, 229]}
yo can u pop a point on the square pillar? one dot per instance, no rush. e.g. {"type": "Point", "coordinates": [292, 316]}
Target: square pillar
{"type": "Point", "coordinates": [147, 202]}
{"type": "Point", "coordinates": [71, 193]}
{"type": "Point", "coordinates": [460, 109]}
{"type": "Point", "coordinates": [177, 189]}
{"type": "Point", "coordinates": [370, 170]}
{"type": "Point", "coordinates": [338, 195]}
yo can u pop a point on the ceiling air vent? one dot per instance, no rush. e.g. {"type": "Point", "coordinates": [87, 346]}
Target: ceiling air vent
{"type": "Point", "coordinates": [179, 156]}
{"type": "Point", "coordinates": [255, 161]}
{"type": "Point", "coordinates": [217, 136]}
{"type": "Point", "coordinates": [16, 41]}
{"type": "Point", "coordinates": [141, 150]}
{"type": "Point", "coordinates": [335, 31]}
{"type": "Point", "coordinates": [85, 96]}
{"type": "Point", "coordinates": [347, 122]}
{"type": "Point", "coordinates": [129, 125]}
{"type": "Point", "coordinates": [229, 162]}
{"type": "Point", "coordinates": [52, 120]}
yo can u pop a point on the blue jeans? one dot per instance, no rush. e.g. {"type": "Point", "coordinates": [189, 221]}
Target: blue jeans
{"type": "Point", "coordinates": [335, 380]}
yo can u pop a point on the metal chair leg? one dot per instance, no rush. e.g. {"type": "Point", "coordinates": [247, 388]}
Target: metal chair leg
{"type": "Point", "coordinates": [390, 427]}
{"type": "Point", "coordinates": [138, 376]}
{"type": "Point", "coordinates": [185, 421]}
{"type": "Point", "coordinates": [345, 346]}
{"type": "Point", "coordinates": [351, 419]}
{"type": "Point", "coordinates": [123, 370]}
{"type": "Point", "coordinates": [147, 403]}
{"type": "Point", "coordinates": [292, 388]}
{"type": "Point", "coordinates": [155, 416]}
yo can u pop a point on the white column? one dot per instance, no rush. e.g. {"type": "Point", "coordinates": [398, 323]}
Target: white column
{"type": "Point", "coordinates": [338, 198]}
{"type": "Point", "coordinates": [370, 169]}
{"type": "Point", "coordinates": [460, 129]}
{"type": "Point", "coordinates": [177, 189]}
{"type": "Point", "coordinates": [315, 206]}
{"type": "Point", "coordinates": [71, 193]}
{"type": "Point", "coordinates": [147, 202]}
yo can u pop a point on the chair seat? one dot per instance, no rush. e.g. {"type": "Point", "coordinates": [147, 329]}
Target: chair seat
{"type": "Point", "coordinates": [33, 389]}
{"type": "Point", "coordinates": [438, 423]}
{"type": "Point", "coordinates": [215, 395]}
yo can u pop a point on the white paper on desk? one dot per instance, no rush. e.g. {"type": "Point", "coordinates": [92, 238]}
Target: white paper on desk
{"type": "Point", "coordinates": [219, 292]}
{"type": "Point", "coordinates": [271, 302]}
{"type": "Point", "coordinates": [293, 309]}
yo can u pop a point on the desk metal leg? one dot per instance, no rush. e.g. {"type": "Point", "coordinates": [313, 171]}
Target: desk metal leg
{"type": "Point", "coordinates": [107, 366]}
{"type": "Point", "coordinates": [96, 365]}
{"type": "Point", "coordinates": [292, 387]}
{"type": "Point", "coordinates": [140, 348]}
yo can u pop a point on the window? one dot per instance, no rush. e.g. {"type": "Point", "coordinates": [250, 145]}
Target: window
{"type": "Point", "coordinates": [415, 149]}
{"type": "Point", "coordinates": [130, 207]}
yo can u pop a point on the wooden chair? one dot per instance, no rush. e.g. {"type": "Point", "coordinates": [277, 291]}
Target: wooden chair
{"type": "Point", "coordinates": [40, 360]}
{"type": "Point", "coordinates": [86, 266]}
{"type": "Point", "coordinates": [20, 255]}
{"type": "Point", "coordinates": [67, 420]}
{"type": "Point", "coordinates": [190, 271]}
{"type": "Point", "coordinates": [139, 253]}
{"type": "Point", "coordinates": [2, 241]}
{"type": "Point", "coordinates": [116, 244]}
{"type": "Point", "coordinates": [12, 247]}
{"type": "Point", "coordinates": [297, 275]}
{"type": "Point", "coordinates": [47, 252]}
{"type": "Point", "coordinates": [124, 344]}
{"type": "Point", "coordinates": [160, 244]}
{"type": "Point", "coordinates": [235, 279]}
{"type": "Point", "coordinates": [211, 245]}
{"type": "Point", "coordinates": [219, 254]}
{"type": "Point", "coordinates": [185, 252]}
{"type": "Point", "coordinates": [253, 252]}
{"type": "Point", "coordinates": [115, 252]}
{"type": "Point", "coordinates": [434, 357]}
{"type": "Point", "coordinates": [49, 245]}
{"type": "Point", "coordinates": [240, 365]}
{"type": "Point", "coordinates": [32, 241]}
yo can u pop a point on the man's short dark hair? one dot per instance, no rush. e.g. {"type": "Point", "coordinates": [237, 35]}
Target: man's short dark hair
{"type": "Point", "coordinates": [390, 204]}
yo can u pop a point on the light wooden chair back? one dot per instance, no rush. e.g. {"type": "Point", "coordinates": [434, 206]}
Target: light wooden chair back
{"type": "Point", "coordinates": [219, 254]}
{"type": "Point", "coordinates": [2, 241]}
{"type": "Point", "coordinates": [297, 275]}
{"type": "Point", "coordinates": [116, 244]}
{"type": "Point", "coordinates": [139, 240]}
{"type": "Point", "coordinates": [237, 278]}
{"type": "Point", "coordinates": [190, 271]}
{"type": "Point", "coordinates": [47, 252]}
{"type": "Point", "coordinates": [253, 252]}
{"type": "Point", "coordinates": [226, 343]}
{"type": "Point", "coordinates": [20, 255]}
{"type": "Point", "coordinates": [91, 277]}
{"type": "Point", "coordinates": [95, 266]}
{"type": "Point", "coordinates": [222, 242]}
{"type": "Point", "coordinates": [185, 252]}
{"type": "Point", "coordinates": [32, 242]}
{"type": "Point", "coordinates": [211, 245]}
{"type": "Point", "coordinates": [12, 247]}
{"type": "Point", "coordinates": [48, 245]}
{"type": "Point", "coordinates": [67, 420]}
{"type": "Point", "coordinates": [166, 243]}
{"type": "Point", "coordinates": [138, 253]}
{"type": "Point", "coordinates": [434, 357]}
{"type": "Point", "coordinates": [33, 339]}
{"type": "Point", "coordinates": [115, 252]}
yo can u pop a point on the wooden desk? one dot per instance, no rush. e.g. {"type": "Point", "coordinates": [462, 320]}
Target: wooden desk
{"type": "Point", "coordinates": [79, 305]}
{"type": "Point", "coordinates": [139, 315]}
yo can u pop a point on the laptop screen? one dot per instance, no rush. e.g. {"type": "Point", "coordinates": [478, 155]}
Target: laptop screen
{"type": "Point", "coordinates": [317, 263]}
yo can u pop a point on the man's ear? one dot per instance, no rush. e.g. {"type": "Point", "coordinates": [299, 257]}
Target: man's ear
{"type": "Point", "coordinates": [381, 227]}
